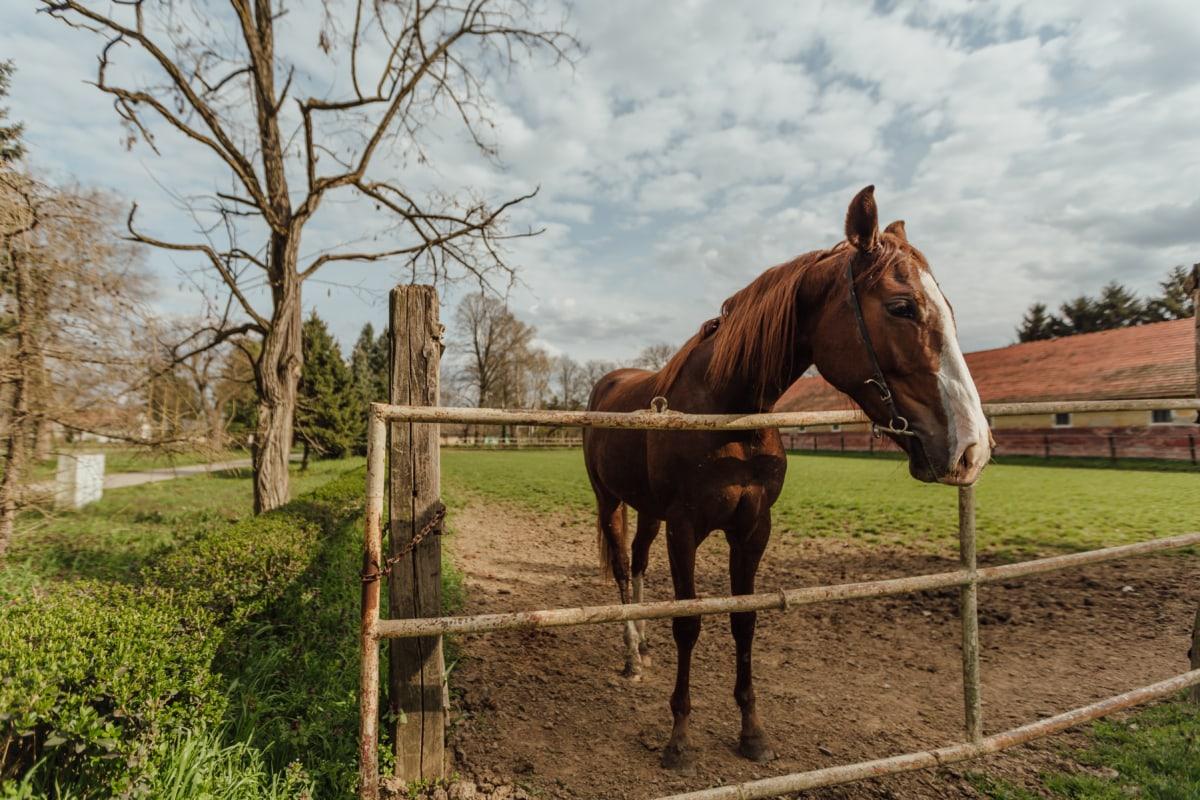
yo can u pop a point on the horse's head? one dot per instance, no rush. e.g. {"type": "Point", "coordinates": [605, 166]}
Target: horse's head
{"type": "Point", "coordinates": [910, 327]}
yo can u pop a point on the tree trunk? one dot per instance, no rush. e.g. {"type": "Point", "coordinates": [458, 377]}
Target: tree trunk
{"type": "Point", "coordinates": [43, 439]}
{"type": "Point", "coordinates": [277, 374]}
{"type": "Point", "coordinates": [18, 421]}
{"type": "Point", "coordinates": [216, 429]}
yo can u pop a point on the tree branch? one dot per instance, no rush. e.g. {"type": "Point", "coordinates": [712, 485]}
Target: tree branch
{"type": "Point", "coordinates": [261, 324]}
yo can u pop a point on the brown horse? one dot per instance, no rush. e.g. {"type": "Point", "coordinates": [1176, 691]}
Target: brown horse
{"type": "Point", "coordinates": [870, 316]}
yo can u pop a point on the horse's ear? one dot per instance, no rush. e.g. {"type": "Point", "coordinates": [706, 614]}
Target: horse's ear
{"type": "Point", "coordinates": [897, 229]}
{"type": "Point", "coordinates": [862, 220]}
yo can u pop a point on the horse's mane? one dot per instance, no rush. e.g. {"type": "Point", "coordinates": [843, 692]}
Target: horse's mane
{"type": "Point", "coordinates": [753, 334]}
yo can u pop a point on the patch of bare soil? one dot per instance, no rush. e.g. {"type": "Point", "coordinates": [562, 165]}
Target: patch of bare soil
{"type": "Point", "coordinates": [836, 683]}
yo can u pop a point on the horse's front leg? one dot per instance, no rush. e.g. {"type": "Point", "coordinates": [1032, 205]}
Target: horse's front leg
{"type": "Point", "coordinates": [681, 547]}
{"type": "Point", "coordinates": [745, 551]}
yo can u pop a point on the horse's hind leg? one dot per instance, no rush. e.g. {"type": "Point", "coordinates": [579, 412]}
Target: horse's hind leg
{"type": "Point", "coordinates": [647, 531]}
{"type": "Point", "coordinates": [681, 547]}
{"type": "Point", "coordinates": [745, 551]}
{"type": "Point", "coordinates": [614, 549]}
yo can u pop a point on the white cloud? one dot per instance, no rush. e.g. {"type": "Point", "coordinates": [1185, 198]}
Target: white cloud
{"type": "Point", "coordinates": [1036, 150]}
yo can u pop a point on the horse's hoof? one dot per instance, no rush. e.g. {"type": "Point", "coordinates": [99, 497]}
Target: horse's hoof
{"type": "Point", "coordinates": [632, 674]}
{"type": "Point", "coordinates": [756, 749]}
{"type": "Point", "coordinates": [644, 652]}
{"type": "Point", "coordinates": [679, 759]}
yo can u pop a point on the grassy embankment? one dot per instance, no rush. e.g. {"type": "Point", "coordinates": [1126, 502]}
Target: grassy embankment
{"type": "Point", "coordinates": [165, 643]}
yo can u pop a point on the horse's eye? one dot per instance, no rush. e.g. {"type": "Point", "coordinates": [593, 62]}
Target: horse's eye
{"type": "Point", "coordinates": [905, 309]}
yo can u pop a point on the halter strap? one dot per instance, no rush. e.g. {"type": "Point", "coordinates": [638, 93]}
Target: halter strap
{"type": "Point", "coordinates": [897, 424]}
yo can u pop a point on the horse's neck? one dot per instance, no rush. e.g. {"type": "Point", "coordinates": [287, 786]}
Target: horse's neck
{"type": "Point", "coordinates": [741, 395]}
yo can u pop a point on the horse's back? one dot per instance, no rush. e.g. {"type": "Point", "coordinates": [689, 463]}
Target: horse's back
{"type": "Point", "coordinates": [625, 389]}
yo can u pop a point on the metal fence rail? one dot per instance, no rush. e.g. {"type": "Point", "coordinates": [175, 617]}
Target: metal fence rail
{"type": "Point", "coordinates": [967, 578]}
{"type": "Point", "coordinates": [796, 782]}
{"type": "Point", "coordinates": [781, 600]}
{"type": "Point", "coordinates": [675, 421]}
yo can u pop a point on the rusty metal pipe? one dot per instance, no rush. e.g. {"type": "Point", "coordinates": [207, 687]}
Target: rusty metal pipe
{"type": "Point", "coordinates": [368, 718]}
{"type": "Point", "coordinates": [673, 420]}
{"type": "Point", "coordinates": [765, 601]}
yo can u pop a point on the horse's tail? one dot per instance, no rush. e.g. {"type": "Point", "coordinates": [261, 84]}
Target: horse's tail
{"type": "Point", "coordinates": [604, 549]}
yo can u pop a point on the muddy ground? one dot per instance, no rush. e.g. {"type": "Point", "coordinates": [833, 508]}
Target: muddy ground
{"type": "Point", "coordinates": [836, 683]}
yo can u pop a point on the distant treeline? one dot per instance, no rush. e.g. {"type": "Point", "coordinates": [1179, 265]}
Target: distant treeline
{"type": "Point", "coordinates": [491, 359]}
{"type": "Point", "coordinates": [1115, 307]}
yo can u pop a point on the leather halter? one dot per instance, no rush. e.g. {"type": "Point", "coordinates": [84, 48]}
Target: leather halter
{"type": "Point", "coordinates": [897, 425]}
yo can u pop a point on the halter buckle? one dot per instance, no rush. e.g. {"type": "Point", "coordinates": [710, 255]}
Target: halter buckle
{"type": "Point", "coordinates": [884, 391]}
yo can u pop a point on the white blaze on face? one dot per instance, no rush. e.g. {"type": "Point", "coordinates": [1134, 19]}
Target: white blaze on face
{"type": "Point", "coordinates": [965, 419]}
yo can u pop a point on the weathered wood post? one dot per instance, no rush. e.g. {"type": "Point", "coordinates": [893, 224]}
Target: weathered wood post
{"type": "Point", "coordinates": [416, 666]}
{"type": "Point", "coordinates": [968, 610]}
{"type": "Point", "coordinates": [1196, 654]}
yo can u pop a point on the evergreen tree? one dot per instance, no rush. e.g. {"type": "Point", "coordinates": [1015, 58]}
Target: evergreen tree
{"type": "Point", "coordinates": [11, 146]}
{"type": "Point", "coordinates": [1037, 324]}
{"type": "Point", "coordinates": [1175, 302]}
{"type": "Point", "coordinates": [369, 376]}
{"type": "Point", "coordinates": [1080, 315]}
{"type": "Point", "coordinates": [1117, 307]}
{"type": "Point", "coordinates": [325, 416]}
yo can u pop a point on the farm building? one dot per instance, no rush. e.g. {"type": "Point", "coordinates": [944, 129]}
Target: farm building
{"type": "Point", "coordinates": [1147, 361]}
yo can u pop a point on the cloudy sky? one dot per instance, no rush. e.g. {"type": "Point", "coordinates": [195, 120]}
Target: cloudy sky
{"type": "Point", "coordinates": [1035, 150]}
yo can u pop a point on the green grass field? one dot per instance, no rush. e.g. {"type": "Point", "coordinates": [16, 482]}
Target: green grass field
{"type": "Point", "coordinates": [1022, 509]}
{"type": "Point", "coordinates": [112, 539]}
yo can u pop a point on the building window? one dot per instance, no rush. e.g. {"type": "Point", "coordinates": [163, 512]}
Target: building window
{"type": "Point", "coordinates": [1162, 416]}
{"type": "Point", "coordinates": [1062, 420]}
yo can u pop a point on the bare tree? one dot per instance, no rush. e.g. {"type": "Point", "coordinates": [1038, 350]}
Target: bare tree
{"type": "Point", "coordinates": [526, 382]}
{"type": "Point", "coordinates": [202, 370]}
{"type": "Point", "coordinates": [219, 77]}
{"type": "Point", "coordinates": [71, 293]}
{"type": "Point", "coordinates": [654, 357]}
{"type": "Point", "coordinates": [571, 391]}
{"type": "Point", "coordinates": [594, 370]}
{"type": "Point", "coordinates": [491, 341]}
{"type": "Point", "coordinates": [19, 217]}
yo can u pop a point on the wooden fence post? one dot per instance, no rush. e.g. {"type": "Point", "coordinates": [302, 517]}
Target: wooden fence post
{"type": "Point", "coordinates": [416, 673]}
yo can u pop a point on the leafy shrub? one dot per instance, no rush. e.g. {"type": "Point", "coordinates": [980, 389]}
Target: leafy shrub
{"type": "Point", "coordinates": [96, 679]}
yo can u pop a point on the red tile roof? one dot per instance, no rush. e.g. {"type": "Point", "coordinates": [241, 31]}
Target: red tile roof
{"type": "Point", "coordinates": [1156, 360]}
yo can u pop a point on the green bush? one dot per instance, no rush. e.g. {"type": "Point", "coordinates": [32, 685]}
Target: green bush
{"type": "Point", "coordinates": [96, 679]}
{"type": "Point", "coordinates": [90, 674]}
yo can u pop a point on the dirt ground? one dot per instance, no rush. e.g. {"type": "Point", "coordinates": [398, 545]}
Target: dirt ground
{"type": "Point", "coordinates": [836, 683]}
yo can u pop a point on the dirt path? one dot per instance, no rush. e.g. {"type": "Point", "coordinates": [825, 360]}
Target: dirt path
{"type": "Point", "coordinates": [836, 683]}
